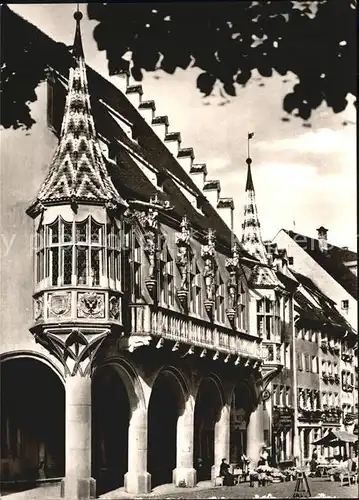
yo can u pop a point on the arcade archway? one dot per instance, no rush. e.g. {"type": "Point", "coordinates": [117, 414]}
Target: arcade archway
{"type": "Point", "coordinates": [207, 412]}
{"type": "Point", "coordinates": [167, 403]}
{"type": "Point", "coordinates": [32, 420]}
{"type": "Point", "coordinates": [110, 422]}
{"type": "Point", "coordinates": [241, 407]}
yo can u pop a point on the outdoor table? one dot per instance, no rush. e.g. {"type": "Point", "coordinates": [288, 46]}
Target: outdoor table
{"type": "Point", "coordinates": [323, 469]}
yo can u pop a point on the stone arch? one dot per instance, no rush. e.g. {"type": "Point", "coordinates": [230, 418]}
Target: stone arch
{"type": "Point", "coordinates": [32, 426]}
{"type": "Point", "coordinates": [10, 355]}
{"type": "Point", "coordinates": [242, 403]}
{"type": "Point", "coordinates": [169, 395]}
{"type": "Point", "coordinates": [180, 378]}
{"type": "Point", "coordinates": [210, 401]}
{"type": "Point", "coordinates": [130, 378]}
{"type": "Point", "coordinates": [116, 395]}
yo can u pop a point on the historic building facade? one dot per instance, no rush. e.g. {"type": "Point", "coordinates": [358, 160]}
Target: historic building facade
{"type": "Point", "coordinates": [150, 322]}
{"type": "Point", "coordinates": [132, 315]}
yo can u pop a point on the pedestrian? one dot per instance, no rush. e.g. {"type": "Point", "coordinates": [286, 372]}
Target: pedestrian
{"type": "Point", "coordinates": [228, 478]}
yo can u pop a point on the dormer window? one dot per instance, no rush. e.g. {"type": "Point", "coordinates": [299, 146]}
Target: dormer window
{"type": "Point", "coordinates": [345, 305]}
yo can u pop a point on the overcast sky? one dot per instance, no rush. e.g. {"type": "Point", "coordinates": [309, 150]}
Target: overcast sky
{"type": "Point", "coordinates": [305, 176]}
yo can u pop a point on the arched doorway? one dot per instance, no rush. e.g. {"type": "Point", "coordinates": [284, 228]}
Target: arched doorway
{"type": "Point", "coordinates": [32, 420]}
{"type": "Point", "coordinates": [166, 405]}
{"type": "Point", "coordinates": [206, 414]}
{"type": "Point", "coordinates": [110, 422]}
{"type": "Point", "coordinates": [241, 407]}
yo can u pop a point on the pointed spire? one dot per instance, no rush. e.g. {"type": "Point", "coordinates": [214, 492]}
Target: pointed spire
{"type": "Point", "coordinates": [78, 171]}
{"type": "Point", "coordinates": [252, 236]}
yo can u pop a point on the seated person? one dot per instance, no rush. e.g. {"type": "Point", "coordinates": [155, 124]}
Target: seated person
{"type": "Point", "coordinates": [228, 478]}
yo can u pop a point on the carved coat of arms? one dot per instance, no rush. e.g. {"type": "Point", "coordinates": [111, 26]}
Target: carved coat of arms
{"type": "Point", "coordinates": [90, 305]}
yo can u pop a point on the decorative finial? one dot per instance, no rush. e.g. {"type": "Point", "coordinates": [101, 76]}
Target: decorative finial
{"type": "Point", "coordinates": [250, 136]}
{"type": "Point", "coordinates": [78, 15]}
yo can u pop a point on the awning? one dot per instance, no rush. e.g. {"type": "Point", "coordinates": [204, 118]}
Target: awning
{"type": "Point", "coordinates": [334, 438]}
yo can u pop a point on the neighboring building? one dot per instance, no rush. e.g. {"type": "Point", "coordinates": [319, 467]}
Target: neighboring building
{"type": "Point", "coordinates": [331, 268]}
{"type": "Point", "coordinates": [323, 340]}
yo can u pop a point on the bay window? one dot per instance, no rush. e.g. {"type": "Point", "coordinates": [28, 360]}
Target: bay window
{"type": "Point", "coordinates": [78, 254]}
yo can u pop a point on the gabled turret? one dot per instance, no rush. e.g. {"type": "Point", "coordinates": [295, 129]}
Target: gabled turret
{"type": "Point", "coordinates": [77, 173]}
{"type": "Point", "coordinates": [263, 276]}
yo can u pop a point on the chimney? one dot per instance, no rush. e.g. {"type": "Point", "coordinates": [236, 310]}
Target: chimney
{"type": "Point", "coordinates": [211, 190]}
{"type": "Point", "coordinates": [198, 173]}
{"type": "Point", "coordinates": [322, 239]}
{"type": "Point", "coordinates": [225, 208]}
{"type": "Point", "coordinates": [147, 110]}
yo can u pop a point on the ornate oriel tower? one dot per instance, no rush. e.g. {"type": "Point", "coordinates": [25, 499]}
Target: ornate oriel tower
{"type": "Point", "coordinates": [77, 296]}
{"type": "Point", "coordinates": [267, 295]}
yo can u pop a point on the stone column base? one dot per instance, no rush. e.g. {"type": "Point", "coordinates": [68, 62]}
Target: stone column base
{"type": "Point", "coordinates": [214, 472]}
{"type": "Point", "coordinates": [78, 488]}
{"type": "Point", "coordinates": [187, 475]}
{"type": "Point", "coordinates": [137, 483]}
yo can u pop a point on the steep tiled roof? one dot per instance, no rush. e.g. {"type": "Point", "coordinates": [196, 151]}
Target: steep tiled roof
{"type": "Point", "coordinates": [326, 313]}
{"type": "Point", "coordinates": [78, 171]}
{"type": "Point", "coordinates": [147, 145]}
{"type": "Point", "coordinates": [332, 261]}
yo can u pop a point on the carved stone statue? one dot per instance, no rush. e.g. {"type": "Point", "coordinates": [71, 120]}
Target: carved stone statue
{"type": "Point", "coordinates": [208, 274]}
{"type": "Point", "coordinates": [232, 285]}
{"type": "Point", "coordinates": [208, 254]}
{"type": "Point", "coordinates": [183, 244]}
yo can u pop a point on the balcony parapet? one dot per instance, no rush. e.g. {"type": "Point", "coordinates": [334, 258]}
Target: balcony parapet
{"type": "Point", "coordinates": [77, 306]}
{"type": "Point", "coordinates": [332, 415]}
{"type": "Point", "coordinates": [305, 415]}
{"type": "Point", "coordinates": [148, 322]}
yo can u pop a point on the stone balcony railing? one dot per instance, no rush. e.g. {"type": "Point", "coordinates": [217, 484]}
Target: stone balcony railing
{"type": "Point", "coordinates": [309, 415]}
{"type": "Point", "coordinates": [178, 327]}
{"type": "Point", "coordinates": [332, 415]}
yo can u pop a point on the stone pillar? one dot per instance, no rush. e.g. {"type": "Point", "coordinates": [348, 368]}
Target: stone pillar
{"type": "Point", "coordinates": [78, 483]}
{"type": "Point", "coordinates": [221, 440]}
{"type": "Point", "coordinates": [184, 470]}
{"type": "Point", "coordinates": [255, 434]}
{"type": "Point", "coordinates": [137, 479]}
